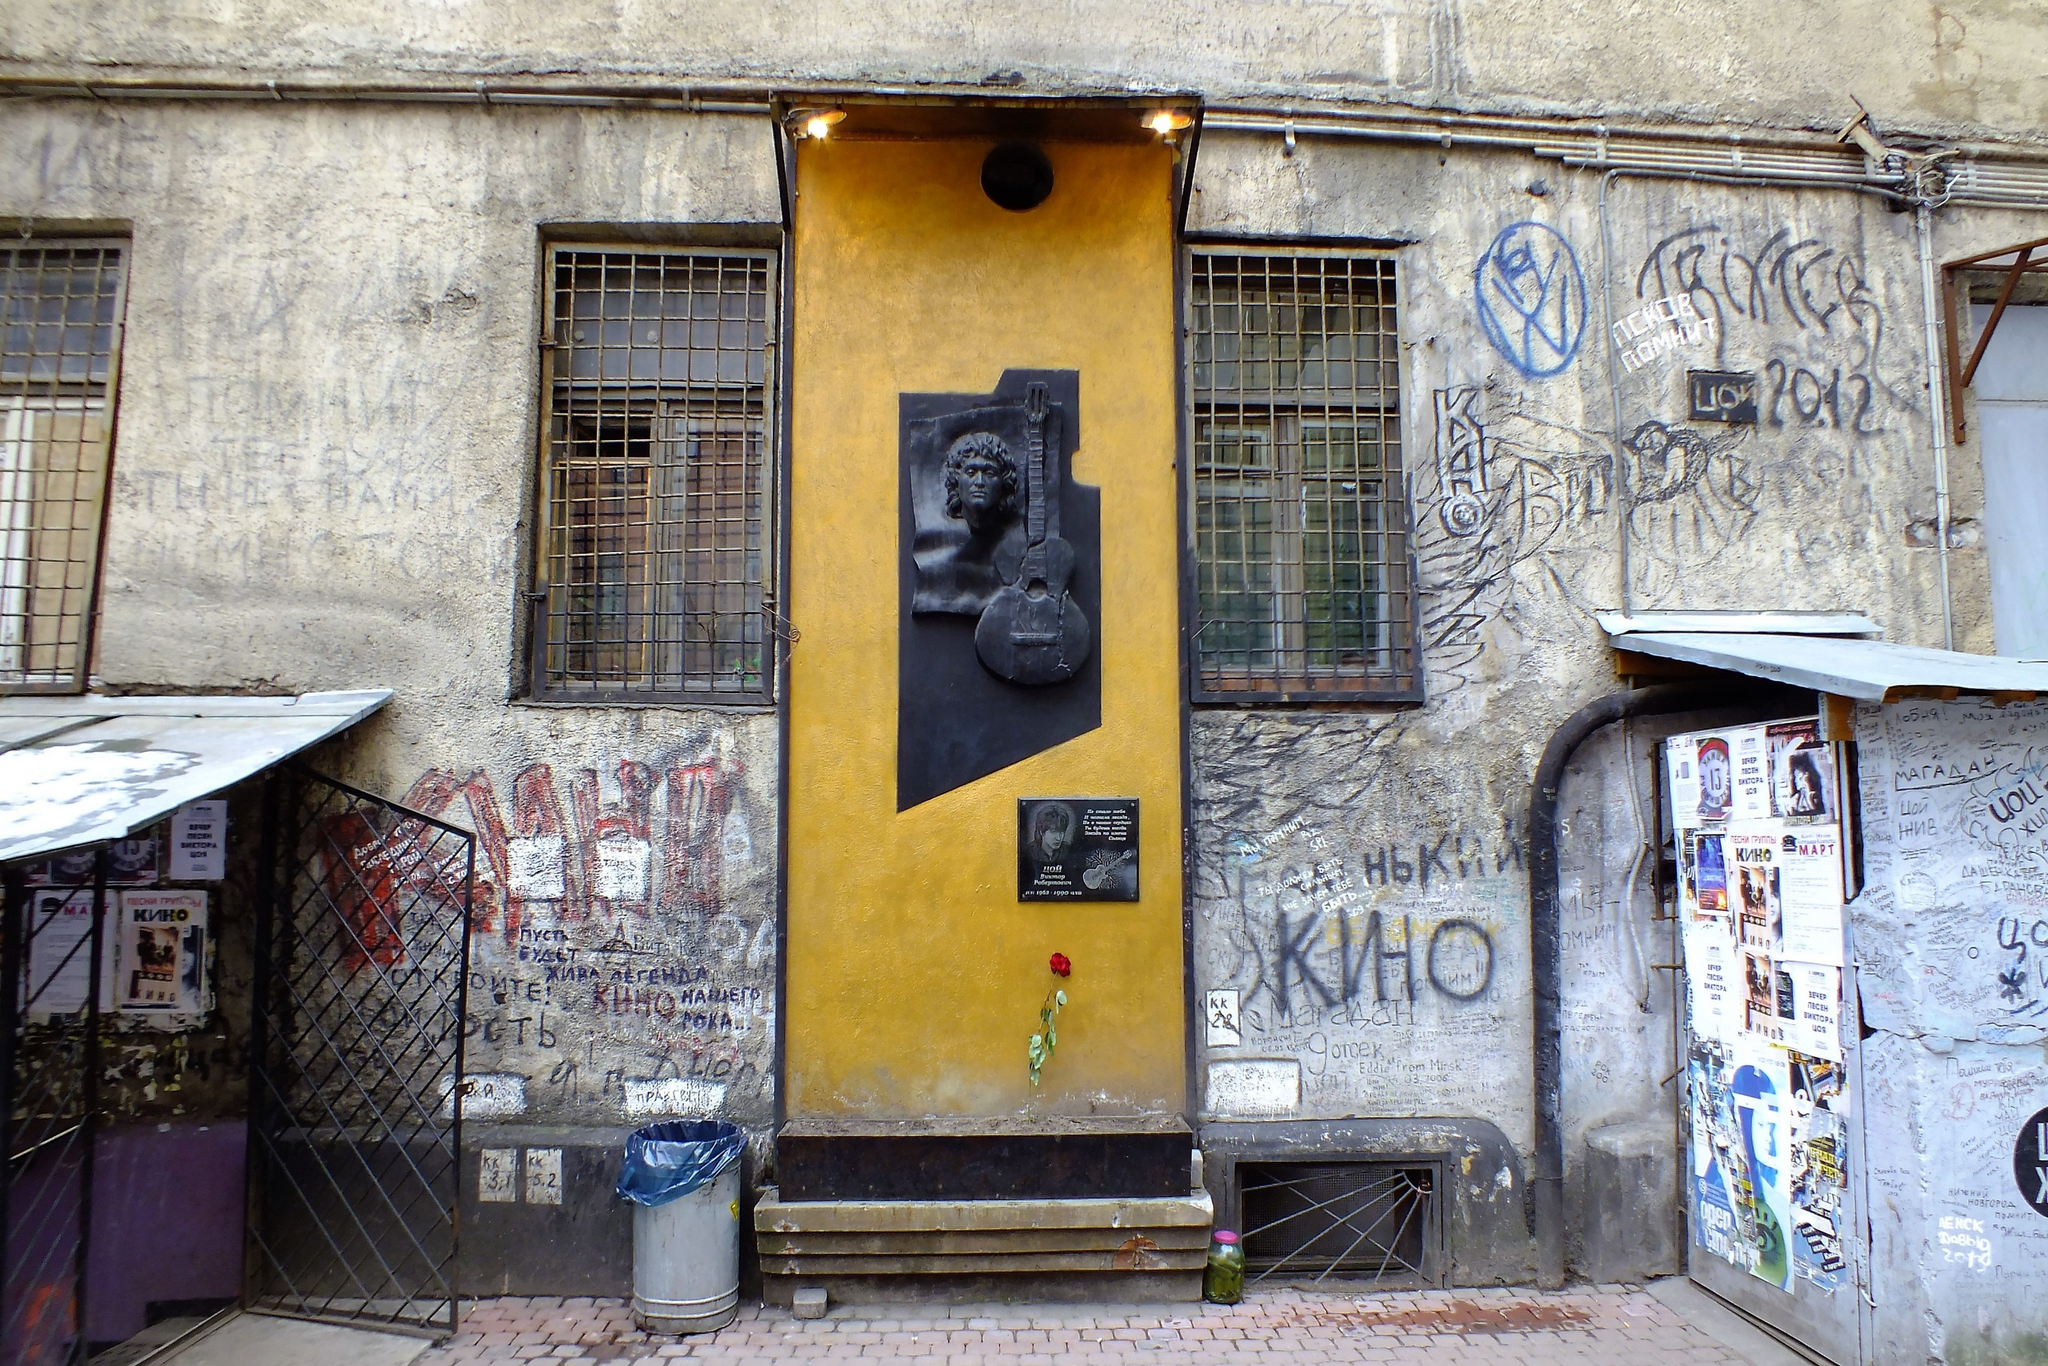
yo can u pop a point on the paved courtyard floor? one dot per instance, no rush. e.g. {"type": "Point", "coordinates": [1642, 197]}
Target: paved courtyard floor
{"type": "Point", "coordinates": [1621, 1325]}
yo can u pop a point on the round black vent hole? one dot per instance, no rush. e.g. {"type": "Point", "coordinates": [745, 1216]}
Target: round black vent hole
{"type": "Point", "coordinates": [1017, 176]}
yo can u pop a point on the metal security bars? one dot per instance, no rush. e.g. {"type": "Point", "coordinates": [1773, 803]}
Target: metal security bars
{"type": "Point", "coordinates": [362, 952]}
{"type": "Point", "coordinates": [49, 1104]}
{"type": "Point", "coordinates": [1371, 1220]}
{"type": "Point", "coordinates": [656, 493]}
{"type": "Point", "coordinates": [60, 345]}
{"type": "Point", "coordinates": [1304, 575]}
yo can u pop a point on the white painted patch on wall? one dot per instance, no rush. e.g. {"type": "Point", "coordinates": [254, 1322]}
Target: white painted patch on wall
{"type": "Point", "coordinates": [492, 1095]}
{"type": "Point", "coordinates": [540, 868]}
{"type": "Point", "coordinates": [622, 869]}
{"type": "Point", "coordinates": [1255, 1087]}
{"type": "Point", "coordinates": [673, 1096]}
{"type": "Point", "coordinates": [739, 845]}
{"type": "Point", "coordinates": [543, 1176]}
{"type": "Point", "coordinates": [497, 1171]}
{"type": "Point", "coordinates": [1220, 1021]}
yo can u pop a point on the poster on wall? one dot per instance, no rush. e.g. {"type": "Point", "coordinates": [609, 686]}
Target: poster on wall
{"type": "Point", "coordinates": [130, 863]}
{"type": "Point", "coordinates": [156, 964]}
{"type": "Point", "coordinates": [1761, 935]}
{"type": "Point", "coordinates": [58, 953]}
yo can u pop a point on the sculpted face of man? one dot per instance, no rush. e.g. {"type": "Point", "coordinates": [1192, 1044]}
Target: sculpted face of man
{"type": "Point", "coordinates": [981, 483]}
{"type": "Point", "coordinates": [981, 489]}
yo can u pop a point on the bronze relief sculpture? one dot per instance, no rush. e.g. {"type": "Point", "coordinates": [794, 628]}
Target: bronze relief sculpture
{"type": "Point", "coordinates": [995, 550]}
{"type": "Point", "coordinates": [999, 574]}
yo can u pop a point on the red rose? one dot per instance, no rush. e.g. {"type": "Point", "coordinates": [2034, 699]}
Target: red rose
{"type": "Point", "coordinates": [1061, 965]}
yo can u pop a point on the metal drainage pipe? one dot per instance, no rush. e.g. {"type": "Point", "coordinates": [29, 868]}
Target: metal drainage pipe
{"type": "Point", "coordinates": [1545, 918]}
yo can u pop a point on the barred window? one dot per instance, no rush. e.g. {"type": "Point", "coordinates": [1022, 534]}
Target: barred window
{"type": "Point", "coordinates": [60, 343]}
{"type": "Point", "coordinates": [1303, 574]}
{"type": "Point", "coordinates": [655, 547]}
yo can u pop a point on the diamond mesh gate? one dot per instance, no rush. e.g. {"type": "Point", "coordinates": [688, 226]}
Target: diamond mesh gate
{"type": "Point", "coordinates": [362, 955]}
{"type": "Point", "coordinates": [50, 948]}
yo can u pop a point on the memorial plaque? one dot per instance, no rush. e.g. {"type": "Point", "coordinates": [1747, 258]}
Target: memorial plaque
{"type": "Point", "coordinates": [1077, 849]}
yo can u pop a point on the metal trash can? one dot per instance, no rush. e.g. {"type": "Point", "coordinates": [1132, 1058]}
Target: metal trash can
{"type": "Point", "coordinates": [684, 1179]}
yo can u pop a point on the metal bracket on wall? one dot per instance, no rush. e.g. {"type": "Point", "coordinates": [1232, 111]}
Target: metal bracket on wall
{"type": "Point", "coordinates": [1961, 373]}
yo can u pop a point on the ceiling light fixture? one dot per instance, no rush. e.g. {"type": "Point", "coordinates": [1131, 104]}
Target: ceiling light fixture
{"type": "Point", "coordinates": [815, 123]}
{"type": "Point", "coordinates": [1167, 122]}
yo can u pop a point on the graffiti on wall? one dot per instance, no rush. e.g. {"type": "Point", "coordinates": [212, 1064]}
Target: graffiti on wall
{"type": "Point", "coordinates": [1809, 308]}
{"type": "Point", "coordinates": [1531, 298]}
{"type": "Point", "coordinates": [1351, 942]}
{"type": "Point", "coordinates": [1503, 490]}
{"type": "Point", "coordinates": [623, 941]}
{"type": "Point", "coordinates": [1955, 818]}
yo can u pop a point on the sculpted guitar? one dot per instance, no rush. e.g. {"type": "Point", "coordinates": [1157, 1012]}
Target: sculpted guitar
{"type": "Point", "coordinates": [1032, 632]}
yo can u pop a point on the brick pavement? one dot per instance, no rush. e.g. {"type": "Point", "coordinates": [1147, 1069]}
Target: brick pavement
{"type": "Point", "coordinates": [1620, 1325]}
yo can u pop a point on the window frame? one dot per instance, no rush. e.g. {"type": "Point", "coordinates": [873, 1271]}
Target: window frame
{"type": "Point", "coordinates": [72, 400]}
{"type": "Point", "coordinates": [671, 406]}
{"type": "Point", "coordinates": [1297, 690]}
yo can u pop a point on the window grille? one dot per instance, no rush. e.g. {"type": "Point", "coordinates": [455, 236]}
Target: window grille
{"type": "Point", "coordinates": [1304, 579]}
{"type": "Point", "coordinates": [654, 564]}
{"type": "Point", "coordinates": [60, 343]}
{"type": "Point", "coordinates": [1312, 1221]}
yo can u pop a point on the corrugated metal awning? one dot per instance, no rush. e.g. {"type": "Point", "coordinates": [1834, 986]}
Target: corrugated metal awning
{"type": "Point", "coordinates": [1867, 670]}
{"type": "Point", "coordinates": [77, 770]}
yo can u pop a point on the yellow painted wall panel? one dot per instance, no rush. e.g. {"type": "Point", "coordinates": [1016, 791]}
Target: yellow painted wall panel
{"type": "Point", "coordinates": [914, 973]}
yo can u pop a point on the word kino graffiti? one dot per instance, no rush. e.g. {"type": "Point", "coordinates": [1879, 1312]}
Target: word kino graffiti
{"type": "Point", "coordinates": [1456, 959]}
{"type": "Point", "coordinates": [1659, 328]}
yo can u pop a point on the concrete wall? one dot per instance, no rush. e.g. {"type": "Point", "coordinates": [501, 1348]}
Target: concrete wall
{"type": "Point", "coordinates": [327, 426]}
{"type": "Point", "coordinates": [1329, 844]}
{"type": "Point", "coordinates": [1976, 66]}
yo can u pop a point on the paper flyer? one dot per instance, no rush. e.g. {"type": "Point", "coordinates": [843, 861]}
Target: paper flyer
{"type": "Point", "coordinates": [1710, 977]}
{"type": "Point", "coordinates": [1751, 759]}
{"type": "Point", "coordinates": [1815, 1023]}
{"type": "Point", "coordinates": [1802, 772]}
{"type": "Point", "coordinates": [1681, 766]}
{"type": "Point", "coordinates": [1756, 888]}
{"type": "Point", "coordinates": [158, 962]}
{"type": "Point", "coordinates": [1819, 1171]}
{"type": "Point", "coordinates": [1762, 1088]}
{"type": "Point", "coordinates": [1710, 874]}
{"type": "Point", "coordinates": [199, 842]}
{"type": "Point", "coordinates": [58, 953]}
{"type": "Point", "coordinates": [1810, 895]}
{"type": "Point", "coordinates": [1716, 778]}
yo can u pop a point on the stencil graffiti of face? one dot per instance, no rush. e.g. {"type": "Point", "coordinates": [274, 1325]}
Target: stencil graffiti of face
{"type": "Point", "coordinates": [1531, 298]}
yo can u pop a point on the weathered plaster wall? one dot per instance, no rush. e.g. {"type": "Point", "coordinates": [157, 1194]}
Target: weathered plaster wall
{"type": "Point", "coordinates": [326, 446]}
{"type": "Point", "coordinates": [1328, 844]}
{"type": "Point", "coordinates": [1976, 65]}
{"type": "Point", "coordinates": [1951, 949]}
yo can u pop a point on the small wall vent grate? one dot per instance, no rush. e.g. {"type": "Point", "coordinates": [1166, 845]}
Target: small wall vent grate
{"type": "Point", "coordinates": [1355, 1220]}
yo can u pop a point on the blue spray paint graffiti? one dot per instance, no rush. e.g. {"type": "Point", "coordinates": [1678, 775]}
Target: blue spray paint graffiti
{"type": "Point", "coordinates": [1532, 298]}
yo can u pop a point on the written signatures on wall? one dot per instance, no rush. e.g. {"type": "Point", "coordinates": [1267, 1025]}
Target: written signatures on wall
{"type": "Point", "coordinates": [1531, 298]}
{"type": "Point", "coordinates": [1337, 975]}
{"type": "Point", "coordinates": [622, 948]}
{"type": "Point", "coordinates": [1956, 847]}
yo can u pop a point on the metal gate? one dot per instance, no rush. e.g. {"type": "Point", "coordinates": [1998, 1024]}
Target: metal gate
{"type": "Point", "coordinates": [355, 1106]}
{"type": "Point", "coordinates": [49, 1035]}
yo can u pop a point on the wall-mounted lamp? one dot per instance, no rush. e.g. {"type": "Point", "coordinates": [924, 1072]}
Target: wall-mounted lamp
{"type": "Point", "coordinates": [1167, 122]}
{"type": "Point", "coordinates": [815, 123]}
